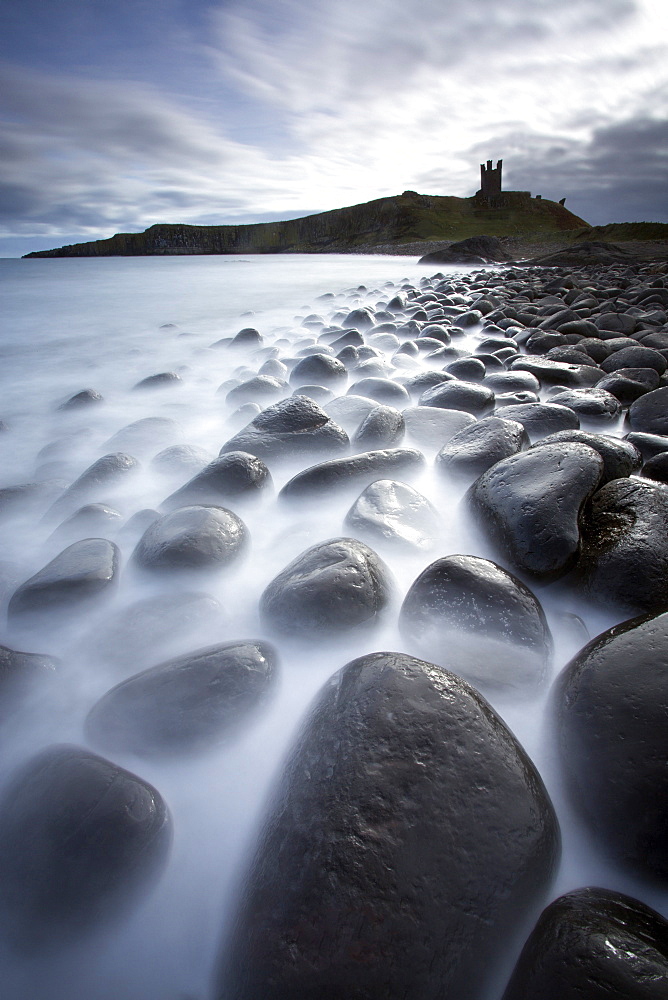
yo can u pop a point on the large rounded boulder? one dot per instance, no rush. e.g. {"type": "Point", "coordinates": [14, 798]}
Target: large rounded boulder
{"type": "Point", "coordinates": [388, 511]}
{"type": "Point", "coordinates": [330, 588]}
{"type": "Point", "coordinates": [612, 712]}
{"type": "Point", "coordinates": [79, 837]}
{"type": "Point", "coordinates": [232, 476]}
{"type": "Point", "coordinates": [354, 472]}
{"type": "Point", "coordinates": [295, 426]}
{"type": "Point", "coordinates": [478, 446]}
{"type": "Point", "coordinates": [187, 704]}
{"type": "Point", "coordinates": [594, 944]}
{"type": "Point", "coordinates": [408, 840]}
{"type": "Point", "coordinates": [192, 538]}
{"type": "Point", "coordinates": [477, 619]}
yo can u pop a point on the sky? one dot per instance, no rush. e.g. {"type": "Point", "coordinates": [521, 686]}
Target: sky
{"type": "Point", "coordinates": [118, 114]}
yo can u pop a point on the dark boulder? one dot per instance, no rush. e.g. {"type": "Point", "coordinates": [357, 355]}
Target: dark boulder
{"type": "Point", "coordinates": [87, 397]}
{"type": "Point", "coordinates": [539, 419]}
{"type": "Point", "coordinates": [467, 369]}
{"type": "Point", "coordinates": [474, 250]}
{"type": "Point", "coordinates": [20, 673]}
{"type": "Point", "coordinates": [197, 537]}
{"type": "Point", "coordinates": [79, 837]}
{"type": "Point", "coordinates": [330, 588]}
{"type": "Point", "coordinates": [612, 704]}
{"type": "Point", "coordinates": [624, 557]}
{"type": "Point", "coordinates": [409, 838]}
{"type": "Point", "coordinates": [648, 445]}
{"type": "Point", "coordinates": [478, 620]}
{"type": "Point", "coordinates": [456, 395]}
{"type": "Point", "coordinates": [649, 413]}
{"type": "Point", "coordinates": [105, 473]}
{"type": "Point", "coordinates": [188, 704]}
{"type": "Point", "coordinates": [160, 381]}
{"type": "Point", "coordinates": [181, 458]}
{"type": "Point", "coordinates": [477, 447]}
{"type": "Point", "coordinates": [594, 944]}
{"type": "Point", "coordinates": [392, 512]}
{"type": "Point", "coordinates": [93, 519]}
{"type": "Point", "coordinates": [82, 572]}
{"type": "Point", "coordinates": [626, 386]}
{"type": "Point", "coordinates": [383, 427]}
{"type": "Point", "coordinates": [383, 390]}
{"type": "Point", "coordinates": [512, 382]}
{"type": "Point", "coordinates": [353, 472]}
{"type": "Point", "coordinates": [318, 369]}
{"type": "Point", "coordinates": [620, 458]}
{"type": "Point", "coordinates": [144, 436]}
{"type": "Point", "coordinates": [259, 389]}
{"type": "Point", "coordinates": [295, 426]}
{"type": "Point", "coordinates": [231, 476]}
{"type": "Point", "coordinates": [656, 468]}
{"type": "Point", "coordinates": [591, 404]}
{"type": "Point", "coordinates": [531, 505]}
{"type": "Point", "coordinates": [433, 426]}
{"type": "Point", "coordinates": [248, 337]}
{"type": "Point", "coordinates": [635, 357]}
{"type": "Point", "coordinates": [550, 372]}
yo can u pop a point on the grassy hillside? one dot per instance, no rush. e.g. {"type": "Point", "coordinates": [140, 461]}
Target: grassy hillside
{"type": "Point", "coordinates": [401, 219]}
{"type": "Point", "coordinates": [617, 232]}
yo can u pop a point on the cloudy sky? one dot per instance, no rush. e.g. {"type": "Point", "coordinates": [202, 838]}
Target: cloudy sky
{"type": "Point", "coordinates": [117, 115]}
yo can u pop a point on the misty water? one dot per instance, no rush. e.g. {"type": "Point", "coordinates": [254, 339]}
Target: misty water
{"type": "Point", "coordinates": [71, 324]}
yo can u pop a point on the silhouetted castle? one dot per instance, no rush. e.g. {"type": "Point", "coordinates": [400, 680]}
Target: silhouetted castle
{"type": "Point", "coordinates": [490, 183]}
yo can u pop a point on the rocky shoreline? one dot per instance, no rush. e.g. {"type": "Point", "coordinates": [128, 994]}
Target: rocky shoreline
{"type": "Point", "coordinates": [411, 838]}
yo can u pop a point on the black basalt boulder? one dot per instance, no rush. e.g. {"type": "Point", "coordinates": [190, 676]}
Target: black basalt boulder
{"type": "Point", "coordinates": [196, 537]}
{"type": "Point", "coordinates": [612, 710]}
{"type": "Point", "coordinates": [231, 476]}
{"type": "Point", "coordinates": [20, 674]}
{"type": "Point", "coordinates": [649, 413]}
{"type": "Point", "coordinates": [531, 505]}
{"type": "Point", "coordinates": [353, 472]}
{"type": "Point", "coordinates": [477, 619]}
{"type": "Point", "coordinates": [295, 426]}
{"type": "Point", "coordinates": [107, 472]}
{"type": "Point", "coordinates": [477, 447]}
{"type": "Point", "coordinates": [187, 704]}
{"type": "Point", "coordinates": [391, 512]}
{"type": "Point", "coordinates": [318, 369]}
{"type": "Point", "coordinates": [594, 944]}
{"type": "Point", "coordinates": [542, 418]}
{"type": "Point", "coordinates": [590, 404]}
{"type": "Point", "coordinates": [383, 428]}
{"type": "Point", "coordinates": [79, 838]}
{"type": "Point", "coordinates": [456, 395]}
{"type": "Point", "coordinates": [330, 588]}
{"type": "Point", "coordinates": [82, 572]}
{"type": "Point", "coordinates": [624, 557]}
{"type": "Point", "coordinates": [408, 839]}
{"type": "Point", "coordinates": [620, 458]}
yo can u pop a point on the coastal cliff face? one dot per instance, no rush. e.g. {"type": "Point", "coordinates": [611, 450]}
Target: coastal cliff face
{"type": "Point", "coordinates": [401, 219]}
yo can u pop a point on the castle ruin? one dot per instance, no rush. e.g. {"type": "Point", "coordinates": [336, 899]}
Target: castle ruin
{"type": "Point", "coordinates": [490, 183]}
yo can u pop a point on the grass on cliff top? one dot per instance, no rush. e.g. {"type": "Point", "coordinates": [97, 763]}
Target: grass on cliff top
{"type": "Point", "coordinates": [617, 232]}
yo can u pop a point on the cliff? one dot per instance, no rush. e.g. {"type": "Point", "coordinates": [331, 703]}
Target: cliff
{"type": "Point", "coordinates": [401, 219]}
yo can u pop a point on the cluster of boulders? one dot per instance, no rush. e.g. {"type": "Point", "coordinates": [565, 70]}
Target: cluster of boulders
{"type": "Point", "coordinates": [411, 839]}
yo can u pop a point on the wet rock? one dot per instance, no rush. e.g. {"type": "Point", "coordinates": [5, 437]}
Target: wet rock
{"type": "Point", "coordinates": [383, 390]}
{"type": "Point", "coordinates": [259, 389]}
{"type": "Point", "coordinates": [196, 537]}
{"type": "Point", "coordinates": [431, 425]}
{"type": "Point", "coordinates": [20, 674]}
{"type": "Point", "coordinates": [318, 393]}
{"type": "Point", "coordinates": [350, 411]}
{"type": "Point", "coordinates": [152, 627]}
{"type": "Point", "coordinates": [409, 836]}
{"type": "Point", "coordinates": [187, 704]}
{"type": "Point", "coordinates": [456, 395]}
{"type": "Point", "coordinates": [515, 399]}
{"type": "Point", "coordinates": [330, 588]}
{"type": "Point", "coordinates": [383, 427]}
{"type": "Point", "coordinates": [627, 385]}
{"type": "Point", "coordinates": [648, 444]}
{"type": "Point", "coordinates": [650, 412]}
{"type": "Point", "coordinates": [160, 381]}
{"type": "Point", "coordinates": [512, 382]}
{"type": "Point", "coordinates": [92, 519]}
{"type": "Point", "coordinates": [392, 512]}
{"type": "Point", "coordinates": [80, 573]}
{"type": "Point", "coordinates": [417, 384]}
{"type": "Point", "coordinates": [542, 418]}
{"type": "Point", "coordinates": [356, 471]}
{"type": "Point", "coordinates": [295, 426]}
{"type": "Point", "coordinates": [531, 505]}
{"type": "Point", "coordinates": [478, 620]}
{"type": "Point", "coordinates": [181, 458]}
{"type": "Point", "coordinates": [624, 558]}
{"type": "Point", "coordinates": [108, 471]}
{"type": "Point", "coordinates": [467, 369]}
{"type": "Point", "coordinates": [318, 369]}
{"type": "Point", "coordinates": [144, 436]}
{"type": "Point", "coordinates": [612, 704]}
{"type": "Point", "coordinates": [592, 404]}
{"type": "Point", "coordinates": [620, 458]}
{"type": "Point", "coordinates": [27, 498]}
{"type": "Point", "coordinates": [474, 250]}
{"type": "Point", "coordinates": [557, 372]}
{"type": "Point", "coordinates": [231, 476]}
{"type": "Point", "coordinates": [657, 468]}
{"type": "Point", "coordinates": [593, 944]}
{"type": "Point", "coordinates": [248, 337]}
{"type": "Point", "coordinates": [478, 446]}
{"type": "Point", "coordinates": [362, 318]}
{"type": "Point", "coordinates": [635, 357]}
{"type": "Point", "coordinates": [87, 397]}
{"type": "Point", "coordinates": [79, 838]}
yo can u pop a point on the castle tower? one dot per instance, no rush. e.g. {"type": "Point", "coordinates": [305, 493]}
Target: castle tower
{"type": "Point", "coordinates": [490, 182]}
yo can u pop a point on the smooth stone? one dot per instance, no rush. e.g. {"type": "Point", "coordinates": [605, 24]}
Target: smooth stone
{"type": "Point", "coordinates": [108, 471]}
{"type": "Point", "coordinates": [248, 337]}
{"type": "Point", "coordinates": [350, 411]}
{"type": "Point", "coordinates": [648, 445]}
{"type": "Point", "coordinates": [383, 390]}
{"type": "Point", "coordinates": [259, 389]}
{"type": "Point", "coordinates": [190, 703]}
{"type": "Point", "coordinates": [620, 458]}
{"type": "Point", "coordinates": [318, 393]}
{"type": "Point", "coordinates": [195, 537]}
{"type": "Point", "coordinates": [625, 387]}
{"type": "Point", "coordinates": [143, 436]}
{"type": "Point", "coordinates": [149, 629]}
{"type": "Point", "coordinates": [433, 426]}
{"type": "Point", "coordinates": [649, 413]}
{"type": "Point", "coordinates": [362, 318]}
{"type": "Point", "coordinates": [409, 837]}
{"type": "Point", "coordinates": [557, 372]}
{"type": "Point", "coordinates": [318, 369]}
{"type": "Point", "coordinates": [329, 589]}
{"type": "Point", "coordinates": [295, 426]}
{"type": "Point", "coordinates": [383, 427]}
{"type": "Point", "coordinates": [181, 458]}
{"type": "Point", "coordinates": [231, 476]}
{"type": "Point", "coordinates": [621, 322]}
{"type": "Point", "coordinates": [82, 572]}
{"type": "Point", "coordinates": [417, 384]}
{"type": "Point", "coordinates": [478, 620]}
{"type": "Point", "coordinates": [80, 838]}
{"type": "Point", "coordinates": [456, 395]}
{"type": "Point", "coordinates": [391, 512]}
{"type": "Point", "coordinates": [93, 519]}
{"type": "Point", "coordinates": [593, 944]}
{"type": "Point", "coordinates": [20, 675]}
{"type": "Point", "coordinates": [624, 558]}
{"type": "Point", "coordinates": [467, 369]}
{"type": "Point", "coordinates": [591, 404]}
{"type": "Point", "coordinates": [87, 397]}
{"type": "Point", "coordinates": [356, 471]}
{"type": "Point", "coordinates": [531, 505]}
{"type": "Point", "coordinates": [160, 381]}
{"type": "Point", "coordinates": [611, 703]}
{"type": "Point", "coordinates": [635, 357]}
{"type": "Point", "coordinates": [656, 468]}
{"type": "Point", "coordinates": [478, 446]}
{"type": "Point", "coordinates": [514, 399]}
{"type": "Point", "coordinates": [512, 382]}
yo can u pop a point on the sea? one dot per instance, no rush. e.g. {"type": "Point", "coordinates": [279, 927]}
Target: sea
{"type": "Point", "coordinates": [105, 324]}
